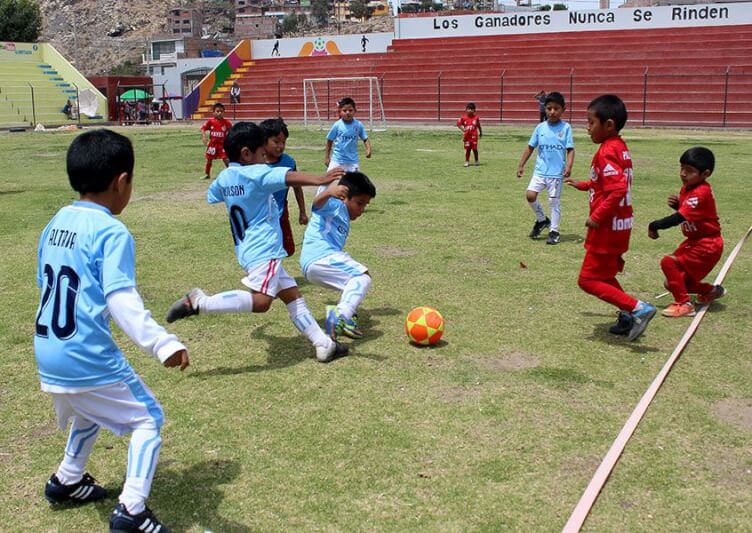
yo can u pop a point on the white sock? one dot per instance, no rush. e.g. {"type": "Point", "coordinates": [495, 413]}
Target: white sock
{"type": "Point", "coordinates": [640, 305]}
{"type": "Point", "coordinates": [143, 454]}
{"type": "Point", "coordinates": [540, 216]}
{"type": "Point", "coordinates": [226, 302]}
{"type": "Point", "coordinates": [83, 435]}
{"type": "Point", "coordinates": [303, 319]}
{"type": "Point", "coordinates": [555, 204]}
{"type": "Point", "coordinates": [353, 295]}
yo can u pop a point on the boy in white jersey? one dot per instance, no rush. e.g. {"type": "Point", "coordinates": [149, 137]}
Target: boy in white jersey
{"type": "Point", "coordinates": [323, 259]}
{"type": "Point", "coordinates": [555, 144]}
{"type": "Point", "coordinates": [87, 275]}
{"type": "Point", "coordinates": [247, 189]}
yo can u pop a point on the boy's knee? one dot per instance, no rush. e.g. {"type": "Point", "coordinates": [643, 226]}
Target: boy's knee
{"type": "Point", "coordinates": [668, 263]}
{"type": "Point", "coordinates": [261, 303]}
{"type": "Point", "coordinates": [531, 196]}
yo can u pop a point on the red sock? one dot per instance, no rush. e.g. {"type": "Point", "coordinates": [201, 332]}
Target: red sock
{"type": "Point", "coordinates": [207, 168]}
{"type": "Point", "coordinates": [675, 279]}
{"type": "Point", "coordinates": [609, 291]}
{"type": "Point", "coordinates": [467, 154]}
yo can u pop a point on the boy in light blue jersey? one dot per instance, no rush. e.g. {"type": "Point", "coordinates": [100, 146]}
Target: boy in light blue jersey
{"type": "Point", "coordinates": [323, 259]}
{"type": "Point", "coordinates": [555, 144]}
{"type": "Point", "coordinates": [344, 137]}
{"type": "Point", "coordinates": [276, 133]}
{"type": "Point", "coordinates": [86, 275]}
{"type": "Point", "coordinates": [247, 189]}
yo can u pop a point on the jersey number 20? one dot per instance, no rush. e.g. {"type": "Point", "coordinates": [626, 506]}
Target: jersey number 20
{"type": "Point", "coordinates": [63, 290]}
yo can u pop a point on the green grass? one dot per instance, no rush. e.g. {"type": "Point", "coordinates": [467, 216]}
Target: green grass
{"type": "Point", "coordinates": [500, 427]}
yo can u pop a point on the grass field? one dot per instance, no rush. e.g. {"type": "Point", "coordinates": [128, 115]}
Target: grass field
{"type": "Point", "coordinates": [500, 427]}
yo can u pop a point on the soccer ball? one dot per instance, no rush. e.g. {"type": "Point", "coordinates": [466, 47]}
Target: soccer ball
{"type": "Point", "coordinates": [424, 326]}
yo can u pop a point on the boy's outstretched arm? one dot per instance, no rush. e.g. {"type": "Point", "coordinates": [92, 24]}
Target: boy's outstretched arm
{"type": "Point", "coordinates": [367, 142]}
{"type": "Point", "coordinates": [526, 153]}
{"type": "Point", "coordinates": [582, 185]}
{"type": "Point", "coordinates": [335, 190]}
{"type": "Point", "coordinates": [328, 152]}
{"type": "Point", "coordinates": [303, 179]}
{"type": "Point", "coordinates": [664, 223]}
{"type": "Point", "coordinates": [300, 199]}
{"type": "Point", "coordinates": [127, 310]}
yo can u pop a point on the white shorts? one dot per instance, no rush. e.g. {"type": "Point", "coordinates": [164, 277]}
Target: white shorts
{"type": "Point", "coordinates": [553, 185]}
{"type": "Point", "coordinates": [268, 277]}
{"type": "Point", "coordinates": [120, 407]}
{"type": "Point", "coordinates": [334, 271]}
{"type": "Point", "coordinates": [348, 167]}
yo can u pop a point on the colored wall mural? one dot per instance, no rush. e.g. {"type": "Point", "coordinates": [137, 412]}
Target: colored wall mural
{"type": "Point", "coordinates": [325, 45]}
{"type": "Point", "coordinates": [319, 47]}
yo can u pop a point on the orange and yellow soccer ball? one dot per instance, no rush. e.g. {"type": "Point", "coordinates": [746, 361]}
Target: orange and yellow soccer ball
{"type": "Point", "coordinates": [424, 326]}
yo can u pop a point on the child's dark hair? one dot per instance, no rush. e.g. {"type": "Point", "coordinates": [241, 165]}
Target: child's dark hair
{"type": "Point", "coordinates": [95, 158]}
{"type": "Point", "coordinates": [556, 98]}
{"type": "Point", "coordinates": [274, 126]}
{"type": "Point", "coordinates": [357, 184]}
{"type": "Point", "coordinates": [699, 157]}
{"type": "Point", "coordinates": [243, 135]}
{"type": "Point", "coordinates": [470, 105]}
{"type": "Point", "coordinates": [218, 105]}
{"type": "Point", "coordinates": [610, 107]}
{"type": "Point", "coordinates": [346, 101]}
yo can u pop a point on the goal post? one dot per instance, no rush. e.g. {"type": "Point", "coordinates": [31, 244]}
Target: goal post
{"type": "Point", "coordinates": [320, 97]}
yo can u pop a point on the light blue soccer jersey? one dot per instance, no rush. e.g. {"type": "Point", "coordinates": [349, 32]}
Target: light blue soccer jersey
{"type": "Point", "coordinates": [281, 196]}
{"type": "Point", "coordinates": [345, 137]}
{"type": "Point", "coordinates": [552, 142]}
{"type": "Point", "coordinates": [248, 194]}
{"type": "Point", "coordinates": [326, 232]}
{"type": "Point", "coordinates": [84, 255]}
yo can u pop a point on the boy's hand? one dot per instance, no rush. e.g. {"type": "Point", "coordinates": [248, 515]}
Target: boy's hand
{"type": "Point", "coordinates": [673, 201]}
{"type": "Point", "coordinates": [520, 171]}
{"type": "Point", "coordinates": [569, 181]}
{"type": "Point", "coordinates": [653, 234]}
{"type": "Point", "coordinates": [334, 174]}
{"type": "Point", "coordinates": [368, 153]}
{"type": "Point", "coordinates": [590, 223]}
{"type": "Point", "coordinates": [303, 218]}
{"type": "Point", "coordinates": [179, 358]}
{"type": "Point", "coordinates": [327, 160]}
{"type": "Point", "coordinates": [339, 191]}
{"type": "Point", "coordinates": [567, 172]}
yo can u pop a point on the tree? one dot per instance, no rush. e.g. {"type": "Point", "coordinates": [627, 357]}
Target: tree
{"type": "Point", "coordinates": [20, 21]}
{"type": "Point", "coordinates": [320, 11]}
{"type": "Point", "coordinates": [359, 9]}
{"type": "Point", "coordinates": [560, 7]}
{"type": "Point", "coordinates": [291, 23]}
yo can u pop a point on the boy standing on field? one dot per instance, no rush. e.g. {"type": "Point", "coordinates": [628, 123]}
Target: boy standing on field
{"type": "Point", "coordinates": [324, 260]}
{"type": "Point", "coordinates": [344, 137]}
{"type": "Point", "coordinates": [277, 133]}
{"type": "Point", "coordinates": [87, 274]}
{"type": "Point", "coordinates": [246, 187]}
{"type": "Point", "coordinates": [703, 246]}
{"type": "Point", "coordinates": [469, 125]}
{"type": "Point", "coordinates": [610, 221]}
{"type": "Point", "coordinates": [217, 127]}
{"type": "Point", "coordinates": [555, 144]}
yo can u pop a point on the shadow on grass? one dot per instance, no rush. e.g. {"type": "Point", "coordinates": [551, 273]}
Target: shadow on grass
{"type": "Point", "coordinates": [601, 334]}
{"type": "Point", "coordinates": [189, 498]}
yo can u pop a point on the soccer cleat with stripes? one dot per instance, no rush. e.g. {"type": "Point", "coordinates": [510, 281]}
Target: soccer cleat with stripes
{"type": "Point", "coordinates": [640, 320]}
{"type": "Point", "coordinates": [84, 491]}
{"type": "Point", "coordinates": [121, 521]}
{"type": "Point", "coordinates": [326, 355]}
{"type": "Point", "coordinates": [186, 306]}
{"type": "Point", "coordinates": [716, 292]}
{"type": "Point", "coordinates": [679, 310]}
{"type": "Point", "coordinates": [350, 328]}
{"type": "Point", "coordinates": [623, 324]}
{"type": "Point", "coordinates": [333, 324]}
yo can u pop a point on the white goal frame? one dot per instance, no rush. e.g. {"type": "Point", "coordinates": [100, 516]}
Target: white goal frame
{"type": "Point", "coordinates": [313, 108]}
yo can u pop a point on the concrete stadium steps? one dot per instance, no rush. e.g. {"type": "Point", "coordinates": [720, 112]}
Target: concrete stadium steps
{"type": "Point", "coordinates": [683, 74]}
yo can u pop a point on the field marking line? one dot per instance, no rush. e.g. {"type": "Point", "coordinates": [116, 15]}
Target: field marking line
{"type": "Point", "coordinates": [595, 486]}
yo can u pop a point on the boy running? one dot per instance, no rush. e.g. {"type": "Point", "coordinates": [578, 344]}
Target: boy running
{"type": "Point", "coordinates": [343, 137]}
{"type": "Point", "coordinates": [217, 127]}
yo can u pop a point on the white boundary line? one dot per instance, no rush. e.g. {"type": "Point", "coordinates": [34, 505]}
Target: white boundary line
{"type": "Point", "coordinates": [593, 489]}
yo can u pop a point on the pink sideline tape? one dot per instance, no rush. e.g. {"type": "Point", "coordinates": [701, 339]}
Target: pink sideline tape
{"type": "Point", "coordinates": [595, 486]}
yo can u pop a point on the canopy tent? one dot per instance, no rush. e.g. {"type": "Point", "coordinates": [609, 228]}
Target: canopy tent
{"type": "Point", "coordinates": [135, 94]}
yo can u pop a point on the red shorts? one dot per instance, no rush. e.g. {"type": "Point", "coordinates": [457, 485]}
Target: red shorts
{"type": "Point", "coordinates": [215, 151]}
{"type": "Point", "coordinates": [699, 257]}
{"type": "Point", "coordinates": [471, 144]}
{"type": "Point", "coordinates": [601, 266]}
{"type": "Point", "coordinates": [288, 242]}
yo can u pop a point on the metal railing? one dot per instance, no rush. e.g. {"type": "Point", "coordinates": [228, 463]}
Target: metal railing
{"type": "Point", "coordinates": [28, 104]}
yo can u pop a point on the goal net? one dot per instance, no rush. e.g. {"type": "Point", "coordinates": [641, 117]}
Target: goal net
{"type": "Point", "coordinates": [320, 97]}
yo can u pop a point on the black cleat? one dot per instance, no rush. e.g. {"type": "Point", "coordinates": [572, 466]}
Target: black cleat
{"type": "Point", "coordinates": [84, 491]}
{"type": "Point", "coordinates": [326, 355]}
{"type": "Point", "coordinates": [553, 238]}
{"type": "Point", "coordinates": [121, 521]}
{"type": "Point", "coordinates": [623, 324]}
{"type": "Point", "coordinates": [186, 306]}
{"type": "Point", "coordinates": [538, 227]}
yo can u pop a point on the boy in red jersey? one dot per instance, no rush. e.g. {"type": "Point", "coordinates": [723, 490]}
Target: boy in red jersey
{"type": "Point", "coordinates": [703, 246]}
{"type": "Point", "coordinates": [469, 125]}
{"type": "Point", "coordinates": [218, 127]}
{"type": "Point", "coordinates": [610, 221]}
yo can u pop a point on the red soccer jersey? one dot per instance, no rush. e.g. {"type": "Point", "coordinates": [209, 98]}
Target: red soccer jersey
{"type": "Point", "coordinates": [697, 206]}
{"type": "Point", "coordinates": [218, 130]}
{"type": "Point", "coordinates": [470, 126]}
{"type": "Point", "coordinates": [610, 198]}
